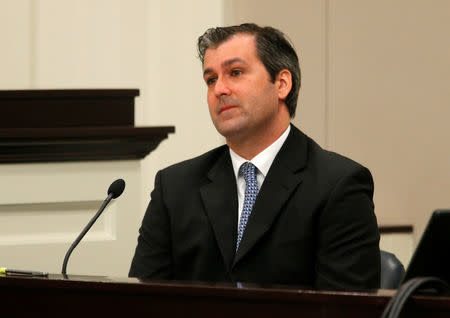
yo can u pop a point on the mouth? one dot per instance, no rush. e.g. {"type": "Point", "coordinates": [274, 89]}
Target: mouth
{"type": "Point", "coordinates": [224, 108]}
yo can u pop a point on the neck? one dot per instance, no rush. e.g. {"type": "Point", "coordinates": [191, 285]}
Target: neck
{"type": "Point", "coordinates": [249, 146]}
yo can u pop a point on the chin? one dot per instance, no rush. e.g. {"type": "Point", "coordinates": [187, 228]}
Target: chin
{"type": "Point", "coordinates": [231, 133]}
{"type": "Point", "coordinates": [231, 128]}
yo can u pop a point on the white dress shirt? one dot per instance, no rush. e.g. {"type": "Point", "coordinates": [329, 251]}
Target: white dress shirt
{"type": "Point", "coordinates": [262, 162]}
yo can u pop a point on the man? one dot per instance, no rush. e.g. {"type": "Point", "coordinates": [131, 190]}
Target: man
{"type": "Point", "coordinates": [296, 215]}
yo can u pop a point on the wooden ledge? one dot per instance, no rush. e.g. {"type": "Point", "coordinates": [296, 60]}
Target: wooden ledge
{"type": "Point", "coordinates": [390, 229]}
{"type": "Point", "coordinates": [19, 145]}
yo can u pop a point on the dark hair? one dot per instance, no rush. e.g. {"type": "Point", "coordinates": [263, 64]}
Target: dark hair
{"type": "Point", "coordinates": [273, 48]}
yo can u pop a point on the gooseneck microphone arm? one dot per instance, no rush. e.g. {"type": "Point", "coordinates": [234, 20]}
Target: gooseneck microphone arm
{"type": "Point", "coordinates": [114, 191]}
{"type": "Point", "coordinates": [83, 233]}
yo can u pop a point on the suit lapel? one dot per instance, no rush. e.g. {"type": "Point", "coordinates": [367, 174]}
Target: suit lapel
{"type": "Point", "coordinates": [220, 200]}
{"type": "Point", "coordinates": [283, 177]}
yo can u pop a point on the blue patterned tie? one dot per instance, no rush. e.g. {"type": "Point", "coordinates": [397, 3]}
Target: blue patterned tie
{"type": "Point", "coordinates": [247, 170]}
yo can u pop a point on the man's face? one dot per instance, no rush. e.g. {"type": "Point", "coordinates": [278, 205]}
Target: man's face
{"type": "Point", "coordinates": [242, 100]}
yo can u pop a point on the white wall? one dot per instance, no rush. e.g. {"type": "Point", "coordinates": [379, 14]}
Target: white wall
{"type": "Point", "coordinates": [44, 207]}
{"type": "Point", "coordinates": [375, 88]}
{"type": "Point", "coordinates": [176, 91]}
{"type": "Point", "coordinates": [149, 45]}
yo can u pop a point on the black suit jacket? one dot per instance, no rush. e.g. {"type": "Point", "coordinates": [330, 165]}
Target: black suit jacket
{"type": "Point", "coordinates": [312, 224]}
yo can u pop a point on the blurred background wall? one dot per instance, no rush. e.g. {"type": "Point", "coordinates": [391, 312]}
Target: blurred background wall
{"type": "Point", "coordinates": [375, 88]}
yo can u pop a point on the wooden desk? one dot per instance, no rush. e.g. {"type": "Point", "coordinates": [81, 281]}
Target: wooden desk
{"type": "Point", "coordinates": [80, 296]}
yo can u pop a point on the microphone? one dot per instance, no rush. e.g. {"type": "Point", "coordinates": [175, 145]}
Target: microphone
{"type": "Point", "coordinates": [114, 191]}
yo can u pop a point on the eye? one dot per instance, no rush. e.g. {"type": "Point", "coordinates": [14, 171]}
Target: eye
{"type": "Point", "coordinates": [211, 80]}
{"type": "Point", "coordinates": [236, 72]}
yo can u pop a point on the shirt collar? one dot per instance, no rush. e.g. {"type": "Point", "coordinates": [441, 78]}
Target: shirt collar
{"type": "Point", "coordinates": [264, 159]}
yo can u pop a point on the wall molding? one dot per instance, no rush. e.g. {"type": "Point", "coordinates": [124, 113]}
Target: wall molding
{"type": "Point", "coordinates": [390, 229]}
{"type": "Point", "coordinates": [73, 125]}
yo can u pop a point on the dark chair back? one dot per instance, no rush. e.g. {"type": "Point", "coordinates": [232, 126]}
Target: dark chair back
{"type": "Point", "coordinates": [392, 271]}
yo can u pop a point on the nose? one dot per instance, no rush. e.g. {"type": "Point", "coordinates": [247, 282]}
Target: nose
{"type": "Point", "coordinates": [221, 87]}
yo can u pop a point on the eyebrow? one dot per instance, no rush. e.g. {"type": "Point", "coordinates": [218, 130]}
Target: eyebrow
{"type": "Point", "coordinates": [224, 64]}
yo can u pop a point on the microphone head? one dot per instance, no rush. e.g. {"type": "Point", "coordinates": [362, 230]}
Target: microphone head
{"type": "Point", "coordinates": [116, 188]}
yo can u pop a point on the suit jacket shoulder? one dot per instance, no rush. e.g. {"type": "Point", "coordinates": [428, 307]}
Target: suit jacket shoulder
{"type": "Point", "coordinates": [332, 163]}
{"type": "Point", "coordinates": [195, 166]}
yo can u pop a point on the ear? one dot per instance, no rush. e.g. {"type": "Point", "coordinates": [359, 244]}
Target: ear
{"type": "Point", "coordinates": [283, 83]}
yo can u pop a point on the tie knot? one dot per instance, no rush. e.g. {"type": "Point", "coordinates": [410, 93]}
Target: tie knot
{"type": "Point", "coordinates": [247, 170]}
